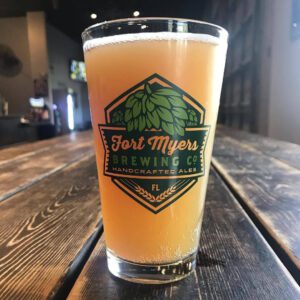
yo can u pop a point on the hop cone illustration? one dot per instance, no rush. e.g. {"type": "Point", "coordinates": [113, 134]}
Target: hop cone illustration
{"type": "Point", "coordinates": [193, 120]}
{"type": "Point", "coordinates": [162, 108]}
{"type": "Point", "coordinates": [118, 118]}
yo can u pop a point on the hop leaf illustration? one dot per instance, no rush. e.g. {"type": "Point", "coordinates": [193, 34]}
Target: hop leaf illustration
{"type": "Point", "coordinates": [162, 108]}
{"type": "Point", "coordinates": [117, 118]}
{"type": "Point", "coordinates": [192, 118]}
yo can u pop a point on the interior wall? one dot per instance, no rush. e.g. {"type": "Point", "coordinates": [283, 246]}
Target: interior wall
{"type": "Point", "coordinates": [61, 49]}
{"type": "Point", "coordinates": [284, 102]}
{"type": "Point", "coordinates": [37, 38]}
{"type": "Point", "coordinates": [37, 43]}
{"type": "Point", "coordinates": [17, 90]}
{"type": "Point", "coordinates": [264, 66]}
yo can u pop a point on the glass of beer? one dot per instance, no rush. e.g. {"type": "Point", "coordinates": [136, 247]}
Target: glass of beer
{"type": "Point", "coordinates": [154, 87]}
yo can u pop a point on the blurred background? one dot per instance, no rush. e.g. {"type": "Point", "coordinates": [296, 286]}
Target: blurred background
{"type": "Point", "coordinates": [43, 90]}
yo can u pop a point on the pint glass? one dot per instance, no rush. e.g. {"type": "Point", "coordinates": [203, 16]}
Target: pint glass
{"type": "Point", "coordinates": [154, 87]}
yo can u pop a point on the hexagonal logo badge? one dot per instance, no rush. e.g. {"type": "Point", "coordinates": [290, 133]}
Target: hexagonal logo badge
{"type": "Point", "coordinates": [154, 140]}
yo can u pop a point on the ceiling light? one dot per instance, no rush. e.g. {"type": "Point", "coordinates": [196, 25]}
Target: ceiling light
{"type": "Point", "coordinates": [93, 16]}
{"type": "Point", "coordinates": [136, 13]}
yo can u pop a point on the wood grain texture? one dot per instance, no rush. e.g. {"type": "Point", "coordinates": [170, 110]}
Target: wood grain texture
{"type": "Point", "coordinates": [29, 167]}
{"type": "Point", "coordinates": [31, 149]}
{"type": "Point", "coordinates": [268, 187]}
{"type": "Point", "coordinates": [234, 262]}
{"type": "Point", "coordinates": [286, 152]}
{"type": "Point", "coordinates": [43, 228]}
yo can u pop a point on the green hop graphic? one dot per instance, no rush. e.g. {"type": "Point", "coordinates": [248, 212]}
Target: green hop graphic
{"type": "Point", "coordinates": [162, 108]}
{"type": "Point", "coordinates": [193, 120]}
{"type": "Point", "coordinates": [118, 118]}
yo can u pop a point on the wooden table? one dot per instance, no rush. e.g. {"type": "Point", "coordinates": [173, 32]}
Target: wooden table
{"type": "Point", "coordinates": [51, 242]}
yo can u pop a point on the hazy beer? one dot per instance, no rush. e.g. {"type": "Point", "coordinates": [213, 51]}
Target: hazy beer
{"type": "Point", "coordinates": [154, 100]}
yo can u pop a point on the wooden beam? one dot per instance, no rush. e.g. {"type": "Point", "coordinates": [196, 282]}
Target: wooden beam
{"type": "Point", "coordinates": [44, 228]}
{"type": "Point", "coordinates": [234, 262]}
{"type": "Point", "coordinates": [39, 160]}
{"type": "Point", "coordinates": [269, 189]}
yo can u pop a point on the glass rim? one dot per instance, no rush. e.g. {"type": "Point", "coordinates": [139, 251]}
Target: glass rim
{"type": "Point", "coordinates": [223, 32]}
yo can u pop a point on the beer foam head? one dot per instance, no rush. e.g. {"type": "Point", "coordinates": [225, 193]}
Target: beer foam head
{"type": "Point", "coordinates": [150, 36]}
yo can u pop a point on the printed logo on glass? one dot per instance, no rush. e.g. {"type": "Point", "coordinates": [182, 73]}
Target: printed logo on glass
{"type": "Point", "coordinates": [154, 140]}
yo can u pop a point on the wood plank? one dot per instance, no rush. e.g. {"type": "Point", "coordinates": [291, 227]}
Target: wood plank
{"type": "Point", "coordinates": [288, 153]}
{"type": "Point", "coordinates": [270, 190]}
{"type": "Point", "coordinates": [43, 229]}
{"type": "Point", "coordinates": [234, 262]}
{"type": "Point", "coordinates": [31, 149]}
{"type": "Point", "coordinates": [30, 167]}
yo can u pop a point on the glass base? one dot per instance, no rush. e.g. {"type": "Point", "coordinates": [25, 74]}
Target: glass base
{"type": "Point", "coordinates": [150, 273]}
